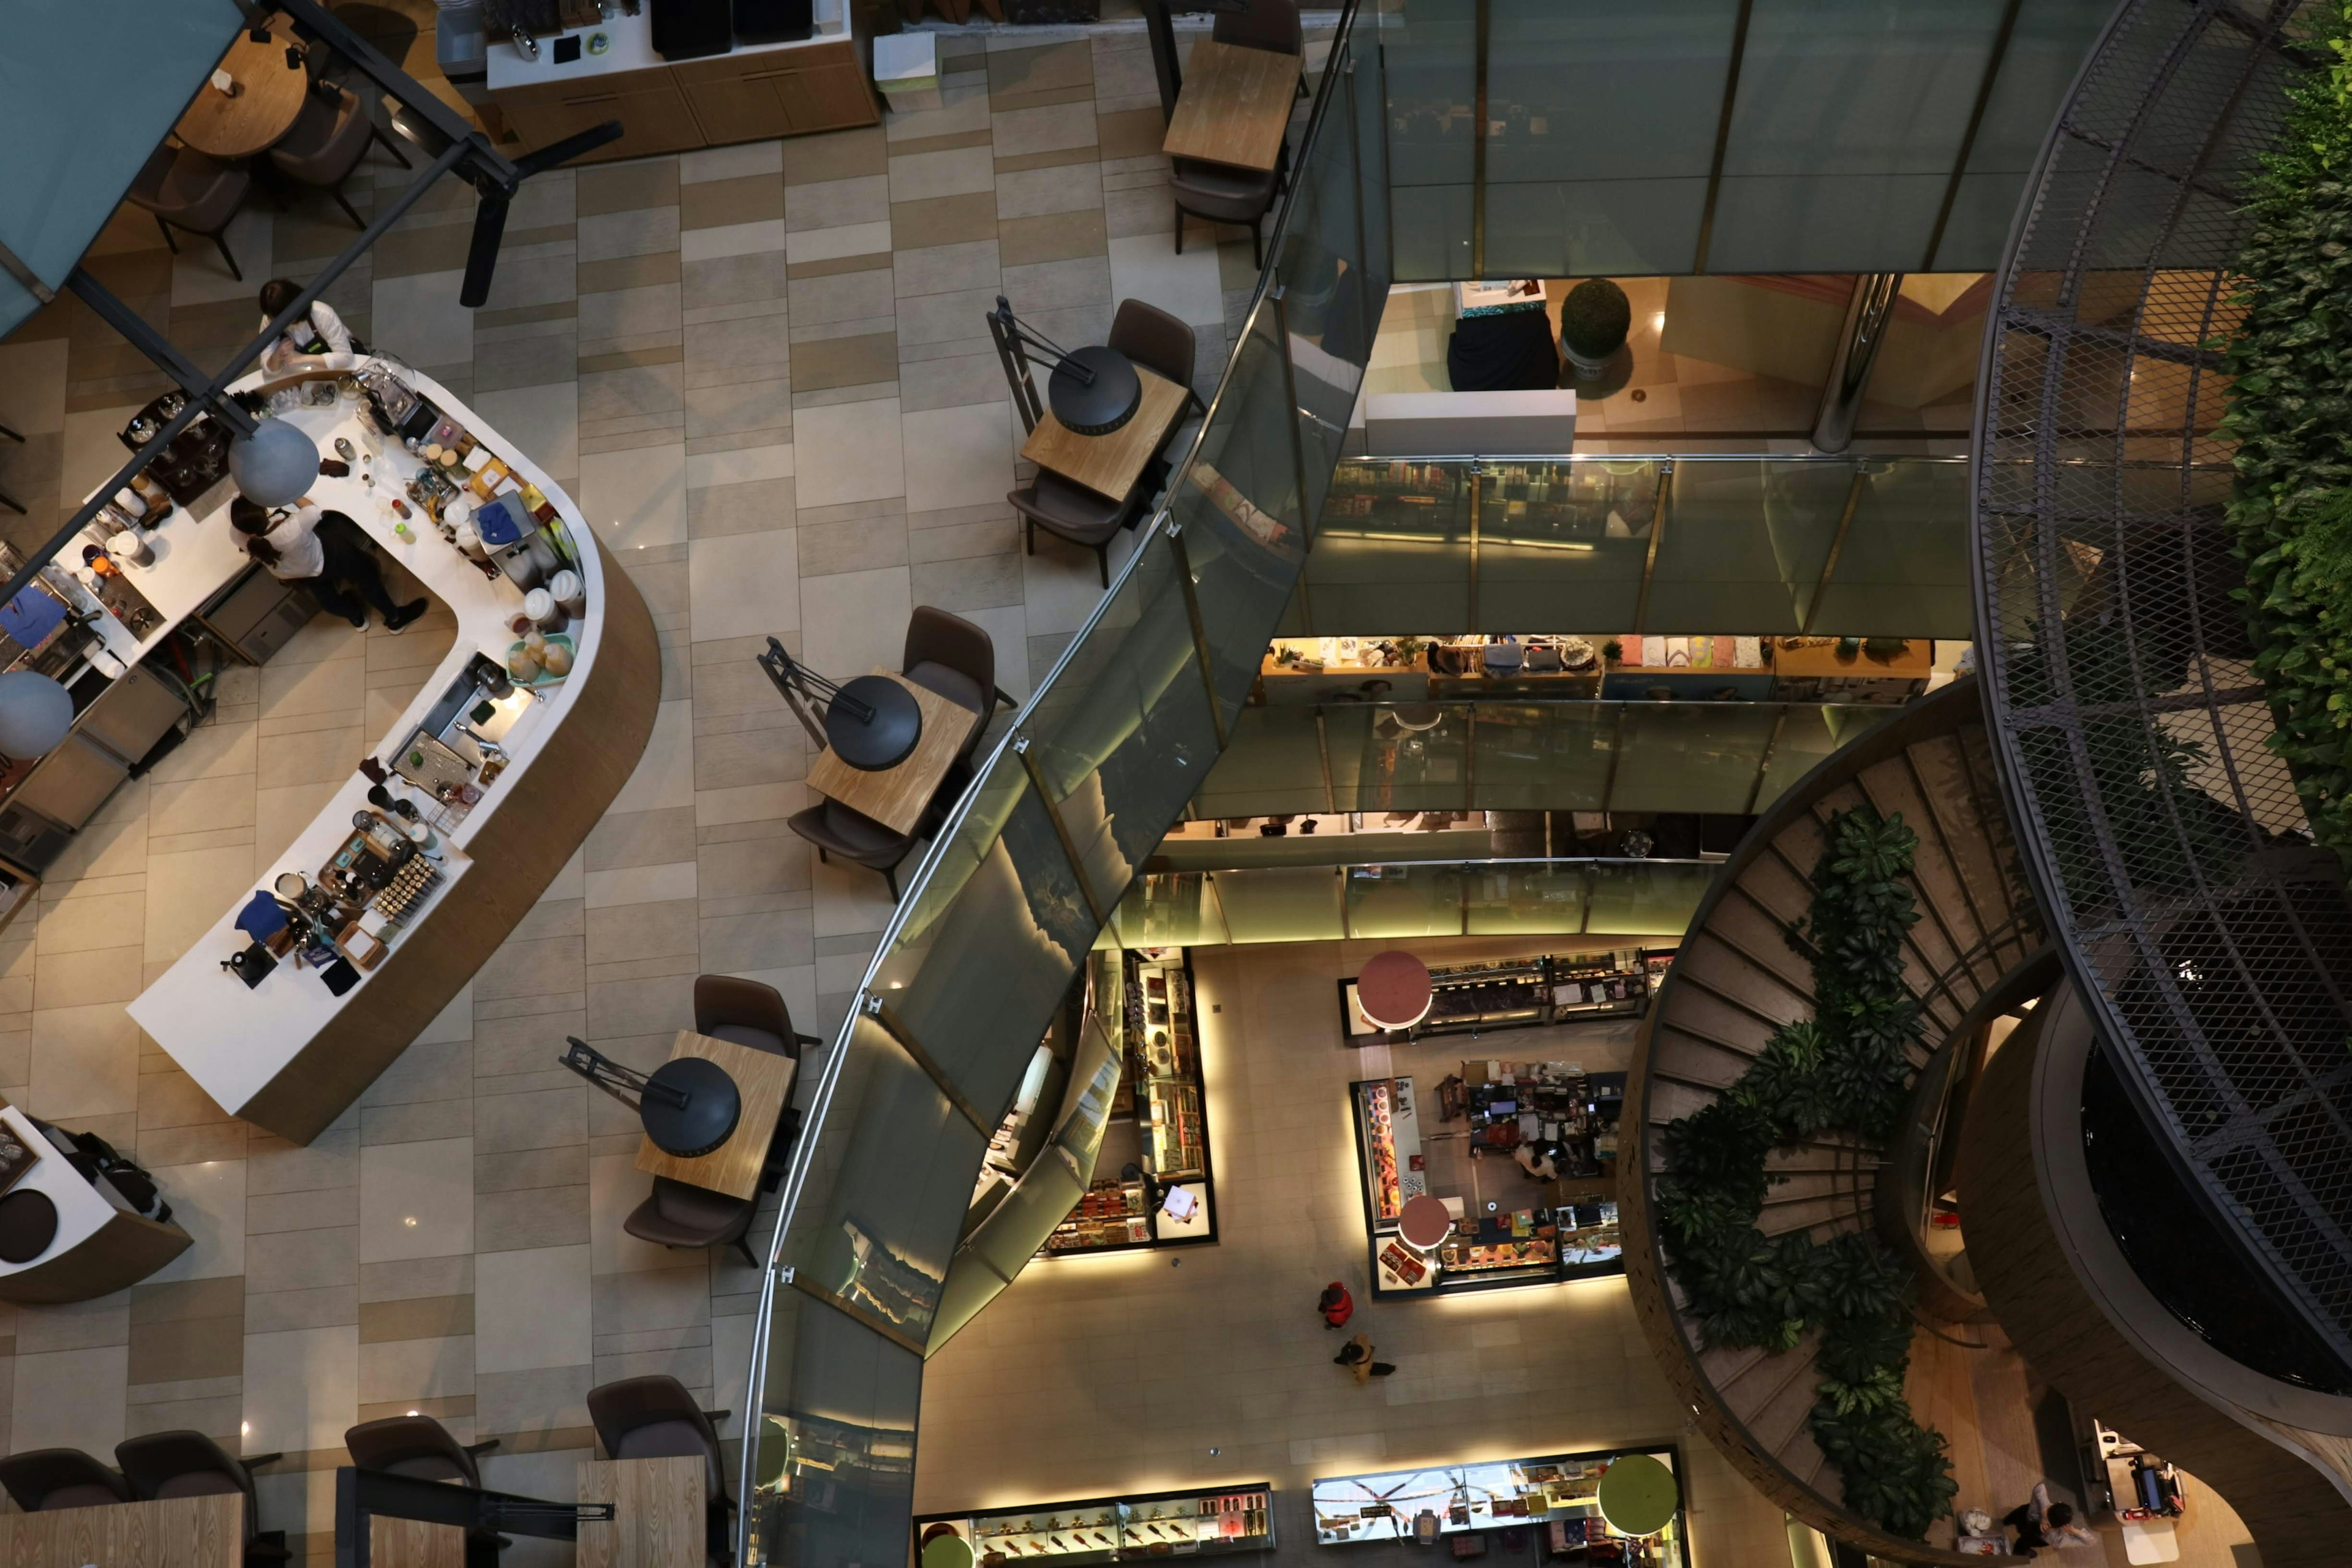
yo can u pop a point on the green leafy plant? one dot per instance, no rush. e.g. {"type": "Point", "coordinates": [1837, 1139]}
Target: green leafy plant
{"type": "Point", "coordinates": [1594, 319]}
{"type": "Point", "coordinates": [1848, 1069]}
{"type": "Point", "coordinates": [2290, 410]}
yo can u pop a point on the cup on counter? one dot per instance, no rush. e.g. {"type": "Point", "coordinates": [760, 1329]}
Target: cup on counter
{"type": "Point", "coordinates": [544, 611]}
{"type": "Point", "coordinates": [570, 593]}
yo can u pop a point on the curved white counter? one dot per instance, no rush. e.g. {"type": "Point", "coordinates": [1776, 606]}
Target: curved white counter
{"type": "Point", "coordinates": [101, 1245]}
{"type": "Point", "coordinates": [288, 1053]}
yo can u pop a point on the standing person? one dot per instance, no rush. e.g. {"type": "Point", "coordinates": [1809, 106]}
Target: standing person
{"type": "Point", "coordinates": [324, 552]}
{"type": "Point", "coordinates": [318, 335]}
{"type": "Point", "coordinates": [1336, 1306]}
{"type": "Point", "coordinates": [1356, 1355]}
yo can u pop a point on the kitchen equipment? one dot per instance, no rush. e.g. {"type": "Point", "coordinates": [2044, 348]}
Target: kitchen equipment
{"type": "Point", "coordinates": [521, 564]}
{"type": "Point", "coordinates": [431, 766]}
{"type": "Point", "coordinates": [256, 614]}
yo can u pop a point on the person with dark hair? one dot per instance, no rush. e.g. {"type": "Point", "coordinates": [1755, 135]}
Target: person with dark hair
{"type": "Point", "coordinates": [326, 553]}
{"type": "Point", "coordinates": [318, 334]}
{"type": "Point", "coordinates": [1356, 1355]}
{"type": "Point", "coordinates": [1336, 1306]}
{"type": "Point", "coordinates": [2041, 1524]}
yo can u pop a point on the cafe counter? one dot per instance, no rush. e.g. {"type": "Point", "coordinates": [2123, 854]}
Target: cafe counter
{"type": "Point", "coordinates": [494, 781]}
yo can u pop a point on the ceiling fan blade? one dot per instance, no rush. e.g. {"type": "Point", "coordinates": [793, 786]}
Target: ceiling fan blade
{"type": "Point", "coordinates": [482, 254]}
{"type": "Point", "coordinates": [563, 151]}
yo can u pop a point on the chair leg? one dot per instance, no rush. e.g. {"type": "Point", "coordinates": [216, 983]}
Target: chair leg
{"type": "Point", "coordinates": [820, 854]}
{"type": "Point", "coordinates": [234, 270]}
{"type": "Point", "coordinates": [1102, 564]}
{"type": "Point", "coordinates": [1032, 547]}
{"type": "Point", "coordinates": [745, 1249]}
{"type": "Point", "coordinates": [12, 503]}
{"type": "Point", "coordinates": [390, 146]}
{"type": "Point", "coordinates": [167, 234]}
{"type": "Point", "coordinates": [890, 881]}
{"type": "Point", "coordinates": [349, 210]}
{"type": "Point", "coordinates": [1257, 242]}
{"type": "Point", "coordinates": [1180, 228]}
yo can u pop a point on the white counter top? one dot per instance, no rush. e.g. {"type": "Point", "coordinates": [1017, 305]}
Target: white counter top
{"type": "Point", "coordinates": [632, 41]}
{"type": "Point", "coordinates": [83, 1208]}
{"type": "Point", "coordinates": [233, 1041]}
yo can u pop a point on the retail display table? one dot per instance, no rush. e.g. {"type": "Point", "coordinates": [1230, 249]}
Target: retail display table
{"type": "Point", "coordinates": [288, 1054]}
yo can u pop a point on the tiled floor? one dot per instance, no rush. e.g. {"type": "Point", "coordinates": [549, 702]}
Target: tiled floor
{"type": "Point", "coordinates": [764, 372]}
{"type": "Point", "coordinates": [1091, 1376]}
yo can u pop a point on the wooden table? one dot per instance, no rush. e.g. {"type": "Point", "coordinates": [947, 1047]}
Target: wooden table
{"type": "Point", "coordinates": [656, 1513]}
{"type": "Point", "coordinates": [1108, 465]}
{"type": "Point", "coordinates": [413, 1543]}
{"type": "Point", "coordinates": [897, 797]}
{"type": "Point", "coordinates": [764, 1079]}
{"type": "Point", "coordinates": [1236, 106]}
{"type": "Point", "coordinates": [269, 97]}
{"type": "Point", "coordinates": [179, 1533]}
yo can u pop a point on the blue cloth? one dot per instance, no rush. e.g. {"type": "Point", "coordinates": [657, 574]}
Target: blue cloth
{"type": "Point", "coordinates": [31, 616]}
{"type": "Point", "coordinates": [262, 917]}
{"type": "Point", "coordinates": [498, 524]}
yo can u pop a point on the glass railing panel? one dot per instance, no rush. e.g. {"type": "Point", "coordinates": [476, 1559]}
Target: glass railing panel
{"type": "Point", "coordinates": [1563, 545]}
{"type": "Point", "coordinates": [1429, 54]}
{"type": "Point", "coordinates": [1237, 509]}
{"type": "Point", "coordinates": [1171, 909]}
{"type": "Point", "coordinates": [1275, 754]}
{"type": "Point", "coordinates": [1404, 901]}
{"type": "Point", "coordinates": [1540, 756]}
{"type": "Point", "coordinates": [834, 1457]}
{"type": "Point", "coordinates": [1122, 756]}
{"type": "Point", "coordinates": [1347, 745]}
{"type": "Point", "coordinates": [1633, 897]}
{"type": "Point", "coordinates": [1809, 733]}
{"type": "Point", "coordinates": [1904, 559]}
{"type": "Point", "coordinates": [1523, 897]}
{"type": "Point", "coordinates": [1324, 296]}
{"type": "Point", "coordinates": [1392, 550]}
{"type": "Point", "coordinates": [1690, 756]}
{"type": "Point", "coordinates": [991, 964]}
{"type": "Point", "coordinates": [1744, 543]}
{"type": "Point", "coordinates": [1283, 903]}
{"type": "Point", "coordinates": [1410, 757]}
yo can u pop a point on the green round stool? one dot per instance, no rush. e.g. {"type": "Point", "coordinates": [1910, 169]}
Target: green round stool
{"type": "Point", "coordinates": [947, 1551]}
{"type": "Point", "coordinates": [1637, 1497]}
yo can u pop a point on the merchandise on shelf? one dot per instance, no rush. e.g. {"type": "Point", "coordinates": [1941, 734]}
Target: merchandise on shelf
{"type": "Point", "coordinates": [1542, 989]}
{"type": "Point", "coordinates": [1109, 1530]}
{"type": "Point", "coordinates": [1560, 1493]}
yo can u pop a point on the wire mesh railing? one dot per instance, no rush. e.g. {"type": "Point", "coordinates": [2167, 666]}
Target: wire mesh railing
{"type": "Point", "coordinates": [2168, 845]}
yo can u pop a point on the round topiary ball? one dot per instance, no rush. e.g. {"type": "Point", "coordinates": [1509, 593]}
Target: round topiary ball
{"type": "Point", "coordinates": [1594, 320]}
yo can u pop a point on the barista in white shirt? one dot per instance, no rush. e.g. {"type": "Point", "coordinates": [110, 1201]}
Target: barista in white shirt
{"type": "Point", "coordinates": [324, 552]}
{"type": "Point", "coordinates": [318, 341]}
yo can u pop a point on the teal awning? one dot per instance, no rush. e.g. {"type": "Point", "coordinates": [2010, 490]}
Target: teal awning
{"type": "Point", "coordinates": [88, 89]}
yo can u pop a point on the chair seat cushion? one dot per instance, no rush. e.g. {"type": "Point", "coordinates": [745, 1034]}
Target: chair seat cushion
{"type": "Point", "coordinates": [198, 1483]}
{"type": "Point", "coordinates": [90, 1496]}
{"type": "Point", "coordinates": [856, 832]}
{"type": "Point", "coordinates": [1072, 510]}
{"type": "Point", "coordinates": [952, 684]}
{"type": "Point", "coordinates": [748, 1036]}
{"type": "Point", "coordinates": [1221, 192]}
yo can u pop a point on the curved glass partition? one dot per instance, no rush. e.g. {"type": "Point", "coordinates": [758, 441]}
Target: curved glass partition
{"type": "Point", "coordinates": [1018, 886]}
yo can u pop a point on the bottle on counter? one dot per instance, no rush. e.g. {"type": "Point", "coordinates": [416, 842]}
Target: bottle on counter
{"type": "Point", "coordinates": [570, 592]}
{"type": "Point", "coordinates": [544, 611]}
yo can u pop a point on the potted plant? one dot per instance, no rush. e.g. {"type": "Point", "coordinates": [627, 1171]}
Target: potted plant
{"type": "Point", "coordinates": [1593, 322]}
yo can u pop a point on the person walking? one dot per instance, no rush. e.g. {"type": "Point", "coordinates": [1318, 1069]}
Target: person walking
{"type": "Point", "coordinates": [1356, 1355]}
{"type": "Point", "coordinates": [1336, 1306]}
{"type": "Point", "coordinates": [324, 552]}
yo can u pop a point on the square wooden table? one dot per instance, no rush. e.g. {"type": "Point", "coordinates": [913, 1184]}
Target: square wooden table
{"type": "Point", "coordinates": [1236, 106]}
{"type": "Point", "coordinates": [657, 1513]}
{"type": "Point", "coordinates": [896, 797]}
{"type": "Point", "coordinates": [1108, 465]}
{"type": "Point", "coordinates": [764, 1079]}
{"type": "Point", "coordinates": [176, 1532]}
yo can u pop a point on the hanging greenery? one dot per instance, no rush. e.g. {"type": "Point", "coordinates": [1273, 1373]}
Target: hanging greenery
{"type": "Point", "coordinates": [2290, 410]}
{"type": "Point", "coordinates": [1847, 1068]}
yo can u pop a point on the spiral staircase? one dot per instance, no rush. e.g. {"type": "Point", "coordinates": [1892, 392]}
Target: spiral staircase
{"type": "Point", "coordinates": [1975, 952]}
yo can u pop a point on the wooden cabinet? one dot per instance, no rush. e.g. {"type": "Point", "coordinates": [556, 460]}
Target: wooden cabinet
{"type": "Point", "coordinates": [778, 92]}
{"type": "Point", "coordinates": [653, 113]}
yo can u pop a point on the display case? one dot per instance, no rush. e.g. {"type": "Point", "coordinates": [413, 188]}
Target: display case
{"type": "Point", "coordinates": [1558, 1495]}
{"type": "Point", "coordinates": [1388, 1146]}
{"type": "Point", "coordinates": [1113, 1213]}
{"type": "Point", "coordinates": [1519, 992]}
{"type": "Point", "coordinates": [1214, 1520]}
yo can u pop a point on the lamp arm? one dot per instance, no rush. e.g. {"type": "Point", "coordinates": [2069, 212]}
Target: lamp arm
{"type": "Point", "coordinates": [613, 1078]}
{"type": "Point", "coordinates": [1037, 348]}
{"type": "Point", "coordinates": [803, 686]}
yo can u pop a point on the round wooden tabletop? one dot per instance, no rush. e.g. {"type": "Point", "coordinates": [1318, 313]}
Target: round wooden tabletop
{"type": "Point", "coordinates": [268, 97]}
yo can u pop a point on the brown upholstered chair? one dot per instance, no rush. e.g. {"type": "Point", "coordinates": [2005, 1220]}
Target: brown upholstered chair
{"type": "Point", "coordinates": [856, 838]}
{"type": "Point", "coordinates": [329, 139]}
{"type": "Point", "coordinates": [1067, 509]}
{"type": "Point", "coordinates": [747, 1013]}
{"type": "Point", "coordinates": [1157, 340]}
{"type": "Point", "coordinates": [61, 1478]}
{"type": "Point", "coordinates": [655, 1418]}
{"type": "Point", "coordinates": [1269, 24]}
{"type": "Point", "coordinates": [189, 1464]}
{"type": "Point", "coordinates": [186, 189]}
{"type": "Point", "coordinates": [415, 1445]}
{"type": "Point", "coordinates": [680, 1214]}
{"type": "Point", "coordinates": [950, 655]}
{"type": "Point", "coordinates": [1223, 193]}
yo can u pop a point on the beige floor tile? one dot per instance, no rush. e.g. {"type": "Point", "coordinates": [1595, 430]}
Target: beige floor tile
{"type": "Point", "coordinates": [301, 1388]}
{"type": "Point", "coordinates": [746, 585]}
{"type": "Point", "coordinates": [848, 452]}
{"type": "Point", "coordinates": [636, 498]}
{"type": "Point", "coordinates": [208, 1201]}
{"type": "Point", "coordinates": [69, 1399]}
{"type": "Point", "coordinates": [533, 1309]}
{"type": "Point", "coordinates": [416, 1200]}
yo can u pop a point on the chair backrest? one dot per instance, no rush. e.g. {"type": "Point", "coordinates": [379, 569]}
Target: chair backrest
{"type": "Point", "coordinates": [185, 1464]}
{"type": "Point", "coordinates": [655, 1417]}
{"type": "Point", "coordinates": [415, 1445]}
{"type": "Point", "coordinates": [724, 1001]}
{"type": "Point", "coordinates": [60, 1478]}
{"type": "Point", "coordinates": [1262, 25]}
{"type": "Point", "coordinates": [935, 636]}
{"type": "Point", "coordinates": [1154, 339]}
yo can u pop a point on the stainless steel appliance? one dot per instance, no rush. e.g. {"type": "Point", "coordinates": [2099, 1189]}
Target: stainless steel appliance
{"type": "Point", "coordinates": [119, 724]}
{"type": "Point", "coordinates": [256, 614]}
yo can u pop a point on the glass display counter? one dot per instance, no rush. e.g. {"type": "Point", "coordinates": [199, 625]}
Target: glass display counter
{"type": "Point", "coordinates": [1212, 1521]}
{"type": "Point", "coordinates": [1557, 988]}
{"type": "Point", "coordinates": [1557, 1496]}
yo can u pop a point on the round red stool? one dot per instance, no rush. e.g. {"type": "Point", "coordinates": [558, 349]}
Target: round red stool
{"type": "Point", "coordinates": [1393, 990]}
